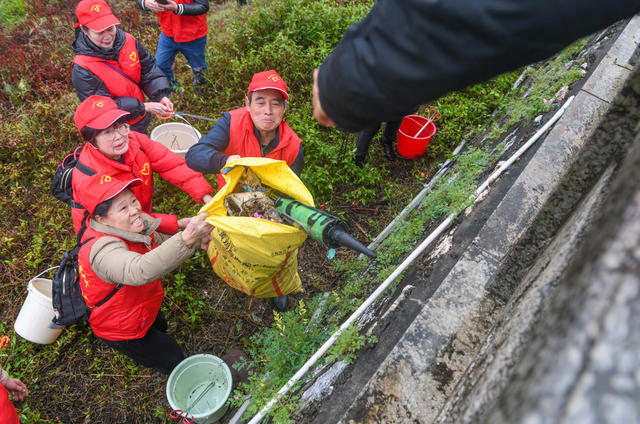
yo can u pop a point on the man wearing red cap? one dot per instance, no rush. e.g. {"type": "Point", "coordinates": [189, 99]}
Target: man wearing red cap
{"type": "Point", "coordinates": [184, 30]}
{"type": "Point", "coordinates": [256, 130]}
{"type": "Point", "coordinates": [111, 62]}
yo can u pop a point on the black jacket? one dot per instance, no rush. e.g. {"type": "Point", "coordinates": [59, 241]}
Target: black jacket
{"type": "Point", "coordinates": [153, 82]}
{"type": "Point", "coordinates": [409, 52]}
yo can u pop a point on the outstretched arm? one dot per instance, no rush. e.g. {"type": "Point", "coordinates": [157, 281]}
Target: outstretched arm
{"type": "Point", "coordinates": [409, 52]}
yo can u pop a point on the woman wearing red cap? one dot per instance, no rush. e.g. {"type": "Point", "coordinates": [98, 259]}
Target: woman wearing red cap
{"type": "Point", "coordinates": [122, 260]}
{"type": "Point", "coordinates": [112, 149]}
{"type": "Point", "coordinates": [111, 62]}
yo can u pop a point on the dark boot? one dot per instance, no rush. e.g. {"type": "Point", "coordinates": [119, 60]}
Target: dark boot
{"type": "Point", "coordinates": [280, 303]}
{"type": "Point", "coordinates": [389, 136]}
{"type": "Point", "coordinates": [363, 140]}
{"type": "Point", "coordinates": [362, 147]}
{"type": "Point", "coordinates": [387, 147]}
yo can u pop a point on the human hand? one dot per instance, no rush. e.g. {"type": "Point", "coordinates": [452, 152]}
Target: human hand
{"type": "Point", "coordinates": [196, 230]}
{"type": "Point", "coordinates": [17, 388]}
{"type": "Point", "coordinates": [204, 242]}
{"type": "Point", "coordinates": [153, 6]}
{"type": "Point", "coordinates": [161, 6]}
{"type": "Point", "coordinates": [157, 108]}
{"type": "Point", "coordinates": [232, 158]}
{"type": "Point", "coordinates": [182, 223]}
{"type": "Point", "coordinates": [207, 198]}
{"type": "Point", "coordinates": [318, 112]}
{"type": "Point", "coordinates": [168, 103]}
{"type": "Point", "coordinates": [171, 6]}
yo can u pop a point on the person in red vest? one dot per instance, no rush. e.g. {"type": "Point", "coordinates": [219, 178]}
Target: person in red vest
{"type": "Point", "coordinates": [112, 149]}
{"type": "Point", "coordinates": [184, 30]}
{"type": "Point", "coordinates": [18, 391]}
{"type": "Point", "coordinates": [111, 62]}
{"type": "Point", "coordinates": [256, 130]}
{"type": "Point", "coordinates": [122, 259]}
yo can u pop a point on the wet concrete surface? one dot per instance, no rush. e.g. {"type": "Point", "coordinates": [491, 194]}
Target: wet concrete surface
{"type": "Point", "coordinates": [422, 371]}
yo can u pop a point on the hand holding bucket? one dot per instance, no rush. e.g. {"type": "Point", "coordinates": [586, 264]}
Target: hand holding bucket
{"type": "Point", "coordinates": [415, 133]}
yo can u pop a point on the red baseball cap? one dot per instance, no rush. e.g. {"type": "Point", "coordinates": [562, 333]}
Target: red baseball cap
{"type": "Point", "coordinates": [97, 112]}
{"type": "Point", "coordinates": [268, 79]}
{"type": "Point", "coordinates": [95, 14]}
{"type": "Point", "coordinates": [104, 187]}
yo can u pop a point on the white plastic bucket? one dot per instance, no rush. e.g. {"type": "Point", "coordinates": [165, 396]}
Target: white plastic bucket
{"type": "Point", "coordinates": [203, 384]}
{"type": "Point", "coordinates": [34, 320]}
{"type": "Point", "coordinates": [176, 136]}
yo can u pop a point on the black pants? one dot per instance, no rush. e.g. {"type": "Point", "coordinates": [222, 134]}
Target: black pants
{"type": "Point", "coordinates": [156, 349]}
{"type": "Point", "coordinates": [363, 138]}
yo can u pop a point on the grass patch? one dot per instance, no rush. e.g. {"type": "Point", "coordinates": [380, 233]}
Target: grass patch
{"type": "Point", "coordinates": [12, 12]}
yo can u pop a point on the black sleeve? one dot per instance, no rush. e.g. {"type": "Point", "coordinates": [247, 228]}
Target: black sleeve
{"type": "Point", "coordinates": [298, 164]}
{"type": "Point", "coordinates": [87, 84]}
{"type": "Point", "coordinates": [198, 7]}
{"type": "Point", "coordinates": [206, 155]}
{"type": "Point", "coordinates": [409, 52]}
{"type": "Point", "coordinates": [153, 82]}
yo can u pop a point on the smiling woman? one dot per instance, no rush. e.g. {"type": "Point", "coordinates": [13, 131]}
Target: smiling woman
{"type": "Point", "coordinates": [122, 248]}
{"type": "Point", "coordinates": [104, 38]}
{"type": "Point", "coordinates": [122, 212]}
{"type": "Point", "coordinates": [113, 141]}
{"type": "Point", "coordinates": [113, 150]}
{"type": "Point", "coordinates": [110, 62]}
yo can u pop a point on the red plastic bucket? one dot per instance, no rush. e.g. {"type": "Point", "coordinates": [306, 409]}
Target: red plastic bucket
{"type": "Point", "coordinates": [410, 146]}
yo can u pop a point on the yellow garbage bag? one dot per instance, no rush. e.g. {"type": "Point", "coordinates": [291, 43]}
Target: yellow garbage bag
{"type": "Point", "coordinates": [254, 255]}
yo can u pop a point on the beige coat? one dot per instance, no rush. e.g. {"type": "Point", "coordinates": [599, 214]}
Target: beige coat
{"type": "Point", "coordinates": [114, 263]}
{"type": "Point", "coordinates": [3, 376]}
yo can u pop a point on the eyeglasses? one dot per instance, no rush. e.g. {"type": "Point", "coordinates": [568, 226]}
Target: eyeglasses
{"type": "Point", "coordinates": [112, 131]}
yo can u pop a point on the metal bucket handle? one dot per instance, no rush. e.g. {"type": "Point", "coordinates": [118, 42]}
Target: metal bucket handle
{"type": "Point", "coordinates": [188, 123]}
{"type": "Point", "coordinates": [46, 270]}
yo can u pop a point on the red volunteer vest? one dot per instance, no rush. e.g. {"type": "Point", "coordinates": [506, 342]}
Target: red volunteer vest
{"type": "Point", "coordinates": [143, 158]}
{"type": "Point", "coordinates": [124, 80]}
{"type": "Point", "coordinates": [243, 141]}
{"type": "Point", "coordinates": [131, 311]}
{"type": "Point", "coordinates": [183, 28]}
{"type": "Point", "coordinates": [8, 412]}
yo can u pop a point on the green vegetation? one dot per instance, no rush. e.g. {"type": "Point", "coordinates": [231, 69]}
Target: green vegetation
{"type": "Point", "coordinates": [546, 80]}
{"type": "Point", "coordinates": [12, 12]}
{"type": "Point", "coordinates": [77, 378]}
{"type": "Point", "coordinates": [297, 334]}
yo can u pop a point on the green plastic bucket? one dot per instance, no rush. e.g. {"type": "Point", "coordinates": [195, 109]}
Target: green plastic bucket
{"type": "Point", "coordinates": [195, 375]}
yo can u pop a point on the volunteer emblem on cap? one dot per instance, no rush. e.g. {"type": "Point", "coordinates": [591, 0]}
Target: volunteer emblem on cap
{"type": "Point", "coordinates": [98, 103]}
{"type": "Point", "coordinates": [105, 179]}
{"type": "Point", "coordinates": [274, 77]}
{"type": "Point", "coordinates": [95, 8]}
